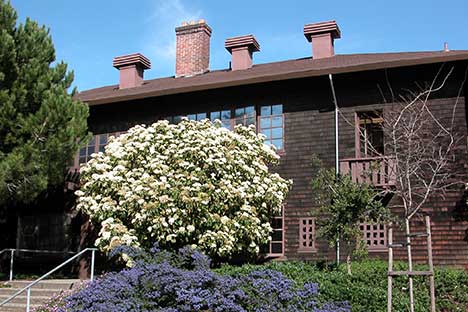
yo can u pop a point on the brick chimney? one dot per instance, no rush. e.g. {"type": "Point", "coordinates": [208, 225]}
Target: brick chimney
{"type": "Point", "coordinates": [241, 48]}
{"type": "Point", "coordinates": [322, 36]}
{"type": "Point", "coordinates": [192, 48]}
{"type": "Point", "coordinates": [131, 68]}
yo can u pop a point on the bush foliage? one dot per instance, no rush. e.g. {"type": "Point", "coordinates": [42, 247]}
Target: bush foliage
{"type": "Point", "coordinates": [164, 281]}
{"type": "Point", "coordinates": [194, 183]}
{"type": "Point", "coordinates": [366, 288]}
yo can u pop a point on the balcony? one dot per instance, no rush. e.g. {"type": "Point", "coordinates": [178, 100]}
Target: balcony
{"type": "Point", "coordinates": [378, 171]}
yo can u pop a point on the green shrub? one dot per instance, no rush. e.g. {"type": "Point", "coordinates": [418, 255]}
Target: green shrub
{"type": "Point", "coordinates": [366, 288]}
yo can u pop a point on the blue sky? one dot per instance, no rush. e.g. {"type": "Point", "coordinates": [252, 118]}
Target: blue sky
{"type": "Point", "coordinates": [88, 33]}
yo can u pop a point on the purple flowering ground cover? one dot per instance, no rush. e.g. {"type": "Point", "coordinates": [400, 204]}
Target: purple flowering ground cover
{"type": "Point", "coordinates": [183, 281]}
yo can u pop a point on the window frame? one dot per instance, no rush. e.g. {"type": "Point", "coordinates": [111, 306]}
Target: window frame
{"type": "Point", "coordinates": [271, 116]}
{"type": "Point", "coordinates": [313, 232]}
{"type": "Point", "coordinates": [358, 121]}
{"type": "Point", "coordinates": [270, 253]}
{"type": "Point", "coordinates": [95, 147]}
{"type": "Point", "coordinates": [380, 247]}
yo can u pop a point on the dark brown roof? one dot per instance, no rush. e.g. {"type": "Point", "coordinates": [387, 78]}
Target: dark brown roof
{"type": "Point", "coordinates": [291, 69]}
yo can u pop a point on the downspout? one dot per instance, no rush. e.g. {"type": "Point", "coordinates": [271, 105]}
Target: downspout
{"type": "Point", "coordinates": [337, 159]}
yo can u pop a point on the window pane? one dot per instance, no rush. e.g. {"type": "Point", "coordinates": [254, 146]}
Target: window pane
{"type": "Point", "coordinates": [239, 112]}
{"type": "Point", "coordinates": [276, 248]}
{"type": "Point", "coordinates": [227, 124]}
{"type": "Point", "coordinates": [103, 139]}
{"type": "Point", "coordinates": [83, 151]}
{"type": "Point", "coordinates": [277, 223]}
{"type": "Point", "coordinates": [226, 114]}
{"type": "Point", "coordinates": [201, 116]}
{"type": "Point", "coordinates": [215, 115]}
{"type": "Point", "coordinates": [277, 109]}
{"type": "Point", "coordinates": [250, 121]}
{"type": "Point", "coordinates": [267, 133]}
{"type": "Point", "coordinates": [250, 111]}
{"type": "Point", "coordinates": [278, 143]}
{"type": "Point", "coordinates": [265, 110]}
{"type": "Point", "coordinates": [192, 117]}
{"type": "Point", "coordinates": [277, 133]}
{"type": "Point", "coordinates": [265, 122]}
{"type": "Point", "coordinates": [176, 119]}
{"type": "Point", "coordinates": [92, 142]}
{"type": "Point", "coordinates": [277, 236]}
{"type": "Point", "coordinates": [277, 121]}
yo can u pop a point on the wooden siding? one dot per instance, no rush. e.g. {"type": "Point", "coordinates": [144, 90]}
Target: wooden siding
{"type": "Point", "coordinates": [309, 130]}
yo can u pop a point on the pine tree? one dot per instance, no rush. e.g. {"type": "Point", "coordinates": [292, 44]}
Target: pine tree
{"type": "Point", "coordinates": [40, 122]}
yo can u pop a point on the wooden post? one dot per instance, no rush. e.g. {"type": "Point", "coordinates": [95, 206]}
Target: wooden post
{"type": "Point", "coordinates": [410, 263]}
{"type": "Point", "coordinates": [431, 264]}
{"type": "Point", "coordinates": [390, 268]}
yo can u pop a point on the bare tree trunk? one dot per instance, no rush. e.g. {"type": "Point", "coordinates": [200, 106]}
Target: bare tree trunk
{"type": "Point", "coordinates": [410, 263]}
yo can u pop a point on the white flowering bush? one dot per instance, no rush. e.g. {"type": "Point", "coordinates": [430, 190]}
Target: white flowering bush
{"type": "Point", "coordinates": [194, 183]}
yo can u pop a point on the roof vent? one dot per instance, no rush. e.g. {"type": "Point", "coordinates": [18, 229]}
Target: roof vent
{"type": "Point", "coordinates": [242, 48]}
{"type": "Point", "coordinates": [446, 48]}
{"type": "Point", "coordinates": [322, 36]}
{"type": "Point", "coordinates": [131, 68]}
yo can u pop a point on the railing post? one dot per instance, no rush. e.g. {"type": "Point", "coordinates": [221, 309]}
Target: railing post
{"type": "Point", "coordinates": [12, 256]}
{"type": "Point", "coordinates": [28, 299]}
{"type": "Point", "coordinates": [92, 264]}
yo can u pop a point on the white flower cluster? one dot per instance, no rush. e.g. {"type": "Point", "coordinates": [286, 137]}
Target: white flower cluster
{"type": "Point", "coordinates": [194, 183]}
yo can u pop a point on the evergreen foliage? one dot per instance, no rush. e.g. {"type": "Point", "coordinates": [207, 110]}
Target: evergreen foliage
{"type": "Point", "coordinates": [40, 122]}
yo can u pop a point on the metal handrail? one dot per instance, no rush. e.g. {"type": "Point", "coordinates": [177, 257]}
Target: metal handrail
{"type": "Point", "coordinates": [12, 255]}
{"type": "Point", "coordinates": [13, 250]}
{"type": "Point", "coordinates": [28, 287]}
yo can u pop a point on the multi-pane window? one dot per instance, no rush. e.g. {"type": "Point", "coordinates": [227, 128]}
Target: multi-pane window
{"type": "Point", "coordinates": [86, 151]}
{"type": "Point", "coordinates": [270, 120]}
{"type": "Point", "coordinates": [96, 144]}
{"type": "Point", "coordinates": [371, 136]}
{"type": "Point", "coordinates": [272, 125]}
{"type": "Point", "coordinates": [174, 119]}
{"type": "Point", "coordinates": [197, 117]}
{"type": "Point", "coordinates": [224, 116]}
{"type": "Point", "coordinates": [276, 245]}
{"type": "Point", "coordinates": [245, 115]}
{"type": "Point", "coordinates": [307, 234]}
{"type": "Point", "coordinates": [375, 236]}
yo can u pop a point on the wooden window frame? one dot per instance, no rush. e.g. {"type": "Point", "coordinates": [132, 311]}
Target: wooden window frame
{"type": "Point", "coordinates": [95, 147]}
{"type": "Point", "coordinates": [358, 121]}
{"type": "Point", "coordinates": [306, 235]}
{"type": "Point", "coordinates": [368, 232]}
{"type": "Point", "coordinates": [270, 117]}
{"type": "Point", "coordinates": [270, 253]}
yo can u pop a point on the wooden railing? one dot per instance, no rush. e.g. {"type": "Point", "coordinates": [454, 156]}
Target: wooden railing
{"type": "Point", "coordinates": [378, 171]}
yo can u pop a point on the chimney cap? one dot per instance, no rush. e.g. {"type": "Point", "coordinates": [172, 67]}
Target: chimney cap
{"type": "Point", "coordinates": [188, 27]}
{"type": "Point", "coordinates": [248, 41]}
{"type": "Point", "coordinates": [320, 28]}
{"type": "Point", "coordinates": [132, 59]}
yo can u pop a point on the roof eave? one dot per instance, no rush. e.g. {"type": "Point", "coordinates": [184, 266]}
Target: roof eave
{"type": "Point", "coordinates": [271, 78]}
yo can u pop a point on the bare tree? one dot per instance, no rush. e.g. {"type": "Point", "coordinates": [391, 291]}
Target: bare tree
{"type": "Point", "coordinates": [419, 150]}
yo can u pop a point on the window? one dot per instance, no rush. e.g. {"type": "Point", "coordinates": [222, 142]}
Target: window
{"type": "Point", "coordinates": [174, 119]}
{"type": "Point", "coordinates": [245, 116]}
{"type": "Point", "coordinates": [375, 236]}
{"type": "Point", "coordinates": [371, 136]}
{"type": "Point", "coordinates": [307, 234]}
{"type": "Point", "coordinates": [272, 125]}
{"type": "Point", "coordinates": [197, 117]}
{"type": "Point", "coordinates": [275, 247]}
{"type": "Point", "coordinates": [224, 116]}
{"type": "Point", "coordinates": [95, 145]}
